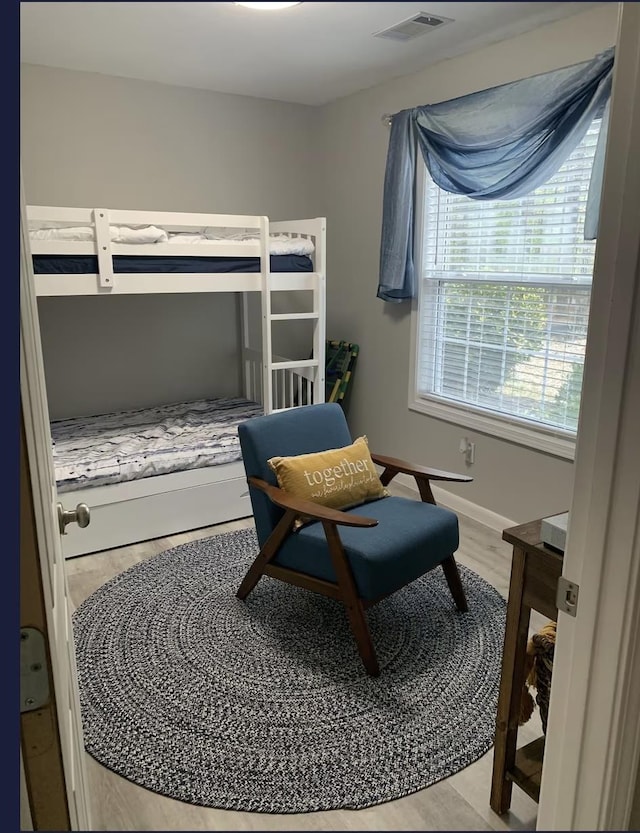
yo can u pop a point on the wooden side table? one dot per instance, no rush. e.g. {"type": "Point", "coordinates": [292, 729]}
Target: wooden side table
{"type": "Point", "coordinates": [535, 571]}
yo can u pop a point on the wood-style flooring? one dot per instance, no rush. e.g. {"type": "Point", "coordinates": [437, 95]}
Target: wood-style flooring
{"type": "Point", "coordinates": [460, 802]}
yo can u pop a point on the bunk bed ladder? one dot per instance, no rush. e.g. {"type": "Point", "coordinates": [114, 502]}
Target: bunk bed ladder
{"type": "Point", "coordinates": [289, 383]}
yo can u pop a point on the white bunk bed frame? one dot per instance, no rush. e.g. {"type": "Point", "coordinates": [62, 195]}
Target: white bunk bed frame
{"type": "Point", "coordinates": [153, 507]}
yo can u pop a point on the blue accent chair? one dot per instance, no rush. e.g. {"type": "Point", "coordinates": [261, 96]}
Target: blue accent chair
{"type": "Point", "coordinates": [357, 556]}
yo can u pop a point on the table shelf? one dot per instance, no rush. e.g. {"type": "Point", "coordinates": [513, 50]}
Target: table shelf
{"type": "Point", "coordinates": [535, 571]}
{"type": "Point", "coordinates": [527, 769]}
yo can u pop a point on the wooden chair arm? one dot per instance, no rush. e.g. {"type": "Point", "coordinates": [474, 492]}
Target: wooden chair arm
{"type": "Point", "coordinates": [395, 466]}
{"type": "Point", "coordinates": [307, 508]}
{"type": "Point", "coordinates": [422, 475]}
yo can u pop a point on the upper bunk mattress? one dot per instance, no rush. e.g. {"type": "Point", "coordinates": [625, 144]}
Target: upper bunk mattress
{"type": "Point", "coordinates": [88, 264]}
{"type": "Point", "coordinates": [130, 445]}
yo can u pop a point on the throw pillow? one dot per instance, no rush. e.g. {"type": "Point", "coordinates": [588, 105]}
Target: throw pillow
{"type": "Point", "coordinates": [339, 478]}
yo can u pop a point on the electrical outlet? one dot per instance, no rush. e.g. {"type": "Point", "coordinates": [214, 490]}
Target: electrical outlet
{"type": "Point", "coordinates": [469, 450]}
{"type": "Point", "coordinates": [470, 456]}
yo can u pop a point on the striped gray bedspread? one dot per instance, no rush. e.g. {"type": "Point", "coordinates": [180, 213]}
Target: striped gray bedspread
{"type": "Point", "coordinates": [130, 445]}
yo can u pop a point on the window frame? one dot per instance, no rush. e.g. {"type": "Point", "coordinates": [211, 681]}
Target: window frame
{"type": "Point", "coordinates": [554, 441]}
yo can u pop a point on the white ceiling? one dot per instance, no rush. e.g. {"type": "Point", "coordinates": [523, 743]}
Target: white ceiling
{"type": "Point", "coordinates": [312, 53]}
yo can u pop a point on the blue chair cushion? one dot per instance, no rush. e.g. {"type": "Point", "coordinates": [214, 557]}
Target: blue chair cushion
{"type": "Point", "coordinates": [410, 539]}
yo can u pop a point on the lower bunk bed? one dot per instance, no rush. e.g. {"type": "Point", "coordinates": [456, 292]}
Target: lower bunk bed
{"type": "Point", "coordinates": [151, 472]}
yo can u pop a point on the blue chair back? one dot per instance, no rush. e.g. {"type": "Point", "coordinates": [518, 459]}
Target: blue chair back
{"type": "Point", "coordinates": [302, 430]}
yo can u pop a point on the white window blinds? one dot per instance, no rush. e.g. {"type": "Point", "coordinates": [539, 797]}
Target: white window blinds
{"type": "Point", "coordinates": [505, 298]}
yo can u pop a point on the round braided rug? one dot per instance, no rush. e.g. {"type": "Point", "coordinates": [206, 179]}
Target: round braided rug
{"type": "Point", "coordinates": [264, 705]}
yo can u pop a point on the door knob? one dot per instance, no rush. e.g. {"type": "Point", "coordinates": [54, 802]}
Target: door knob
{"type": "Point", "coordinates": [80, 515]}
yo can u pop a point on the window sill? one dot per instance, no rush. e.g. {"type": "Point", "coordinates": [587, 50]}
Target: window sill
{"type": "Point", "coordinates": [515, 431]}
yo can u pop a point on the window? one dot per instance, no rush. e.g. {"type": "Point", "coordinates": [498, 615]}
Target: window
{"type": "Point", "coordinates": [501, 325]}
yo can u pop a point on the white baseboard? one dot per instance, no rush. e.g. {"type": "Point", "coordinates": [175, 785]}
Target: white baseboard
{"type": "Point", "coordinates": [460, 505]}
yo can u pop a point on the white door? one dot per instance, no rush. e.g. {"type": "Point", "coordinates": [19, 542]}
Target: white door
{"type": "Point", "coordinates": [592, 748]}
{"type": "Point", "coordinates": [38, 439]}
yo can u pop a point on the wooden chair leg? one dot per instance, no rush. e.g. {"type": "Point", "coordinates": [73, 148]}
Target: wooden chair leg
{"type": "Point", "coordinates": [448, 565]}
{"type": "Point", "coordinates": [266, 554]}
{"type": "Point", "coordinates": [252, 577]}
{"type": "Point", "coordinates": [352, 602]}
{"type": "Point", "coordinates": [455, 585]}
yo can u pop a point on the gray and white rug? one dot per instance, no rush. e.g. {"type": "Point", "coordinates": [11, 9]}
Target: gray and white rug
{"type": "Point", "coordinates": [265, 705]}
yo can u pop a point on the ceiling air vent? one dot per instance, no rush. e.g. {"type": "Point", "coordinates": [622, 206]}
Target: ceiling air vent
{"type": "Point", "coordinates": [413, 27]}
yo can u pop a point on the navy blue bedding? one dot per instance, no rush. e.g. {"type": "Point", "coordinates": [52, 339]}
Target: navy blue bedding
{"type": "Point", "coordinates": [88, 264]}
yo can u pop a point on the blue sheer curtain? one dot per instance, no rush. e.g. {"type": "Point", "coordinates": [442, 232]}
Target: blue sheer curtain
{"type": "Point", "coordinates": [499, 143]}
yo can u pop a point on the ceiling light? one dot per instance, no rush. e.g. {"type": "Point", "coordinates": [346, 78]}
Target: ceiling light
{"type": "Point", "coordinates": [267, 6]}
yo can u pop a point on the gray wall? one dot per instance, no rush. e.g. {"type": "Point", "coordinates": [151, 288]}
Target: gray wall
{"type": "Point", "coordinates": [91, 140]}
{"type": "Point", "coordinates": [509, 479]}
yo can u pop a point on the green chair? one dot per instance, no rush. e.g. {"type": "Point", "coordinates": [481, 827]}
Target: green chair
{"type": "Point", "coordinates": [340, 363]}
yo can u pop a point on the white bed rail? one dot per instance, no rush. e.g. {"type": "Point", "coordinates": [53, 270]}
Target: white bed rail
{"type": "Point", "coordinates": [316, 229]}
{"type": "Point", "coordinates": [291, 386]}
{"type": "Point", "coordinates": [313, 229]}
{"type": "Point", "coordinates": [101, 219]}
{"type": "Point", "coordinates": [183, 221]}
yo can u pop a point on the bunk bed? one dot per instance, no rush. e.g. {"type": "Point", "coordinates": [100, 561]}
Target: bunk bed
{"type": "Point", "coordinates": [152, 472]}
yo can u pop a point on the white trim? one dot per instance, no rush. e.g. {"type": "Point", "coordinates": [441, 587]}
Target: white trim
{"type": "Point", "coordinates": [593, 735]}
{"type": "Point", "coordinates": [504, 428]}
{"type": "Point", "coordinates": [460, 505]}
{"type": "Point", "coordinates": [41, 468]}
